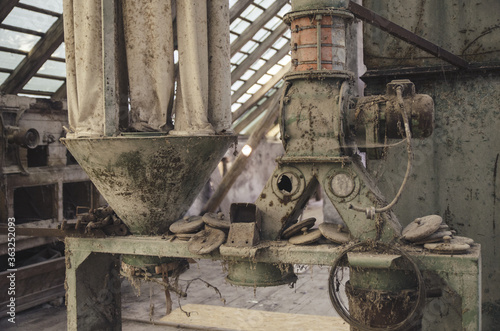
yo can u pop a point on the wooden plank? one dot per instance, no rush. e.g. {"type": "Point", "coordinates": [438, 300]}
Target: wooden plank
{"type": "Point", "coordinates": [260, 93]}
{"type": "Point", "coordinates": [259, 73]}
{"type": "Point", "coordinates": [35, 59]}
{"type": "Point", "coordinates": [257, 25]}
{"type": "Point", "coordinates": [6, 7]}
{"type": "Point", "coordinates": [21, 30]}
{"type": "Point", "coordinates": [238, 8]}
{"type": "Point", "coordinates": [249, 319]}
{"type": "Point", "coordinates": [38, 10]}
{"type": "Point", "coordinates": [257, 53]}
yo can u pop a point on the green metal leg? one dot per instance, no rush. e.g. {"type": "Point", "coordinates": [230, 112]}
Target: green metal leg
{"type": "Point", "coordinates": [93, 292]}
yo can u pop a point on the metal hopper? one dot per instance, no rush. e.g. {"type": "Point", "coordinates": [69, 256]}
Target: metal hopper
{"type": "Point", "coordinates": [149, 180]}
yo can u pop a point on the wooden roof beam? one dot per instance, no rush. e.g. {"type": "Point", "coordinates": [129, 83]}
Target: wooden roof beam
{"type": "Point", "coordinates": [259, 73]}
{"type": "Point", "coordinates": [40, 53]}
{"type": "Point", "coordinates": [258, 24]}
{"type": "Point", "coordinates": [260, 93]}
{"type": "Point", "coordinates": [238, 8]}
{"type": "Point", "coordinates": [6, 7]}
{"type": "Point", "coordinates": [257, 53]}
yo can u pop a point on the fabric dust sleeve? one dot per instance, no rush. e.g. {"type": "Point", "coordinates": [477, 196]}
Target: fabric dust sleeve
{"type": "Point", "coordinates": [83, 39]}
{"type": "Point", "coordinates": [219, 66]}
{"type": "Point", "coordinates": [192, 103]}
{"type": "Point", "coordinates": [149, 42]}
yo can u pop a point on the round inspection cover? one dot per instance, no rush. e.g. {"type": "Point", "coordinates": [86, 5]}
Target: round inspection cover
{"type": "Point", "coordinates": [206, 241]}
{"type": "Point", "coordinates": [187, 225]}
{"type": "Point", "coordinates": [217, 221]}
{"type": "Point", "coordinates": [422, 227]}
{"type": "Point", "coordinates": [462, 240]}
{"type": "Point", "coordinates": [447, 248]}
{"type": "Point", "coordinates": [296, 228]}
{"type": "Point", "coordinates": [435, 237]}
{"type": "Point", "coordinates": [332, 232]}
{"type": "Point", "coordinates": [306, 238]}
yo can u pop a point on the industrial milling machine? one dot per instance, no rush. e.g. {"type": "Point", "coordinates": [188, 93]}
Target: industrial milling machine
{"type": "Point", "coordinates": [148, 180]}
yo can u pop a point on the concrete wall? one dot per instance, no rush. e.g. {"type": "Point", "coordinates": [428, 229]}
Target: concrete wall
{"type": "Point", "coordinates": [456, 170]}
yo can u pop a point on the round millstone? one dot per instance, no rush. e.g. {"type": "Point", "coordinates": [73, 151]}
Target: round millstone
{"type": "Point", "coordinates": [333, 233]}
{"type": "Point", "coordinates": [206, 241]}
{"type": "Point", "coordinates": [187, 225]}
{"type": "Point", "coordinates": [435, 237]}
{"type": "Point", "coordinates": [447, 248]}
{"type": "Point", "coordinates": [422, 227]}
{"type": "Point", "coordinates": [216, 220]}
{"type": "Point", "coordinates": [294, 229]}
{"type": "Point", "coordinates": [306, 237]}
{"type": "Point", "coordinates": [462, 240]}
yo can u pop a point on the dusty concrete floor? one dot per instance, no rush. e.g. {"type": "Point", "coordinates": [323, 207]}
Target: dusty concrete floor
{"type": "Point", "coordinates": [308, 296]}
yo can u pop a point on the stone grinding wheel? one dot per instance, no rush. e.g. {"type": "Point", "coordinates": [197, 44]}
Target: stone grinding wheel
{"type": "Point", "coordinates": [217, 220]}
{"type": "Point", "coordinates": [333, 233]}
{"type": "Point", "coordinates": [462, 240]}
{"type": "Point", "coordinates": [296, 228]}
{"type": "Point", "coordinates": [306, 237]}
{"type": "Point", "coordinates": [436, 236]}
{"type": "Point", "coordinates": [187, 225]}
{"type": "Point", "coordinates": [422, 227]}
{"type": "Point", "coordinates": [206, 241]}
{"type": "Point", "coordinates": [448, 247]}
{"type": "Point", "coordinates": [184, 236]}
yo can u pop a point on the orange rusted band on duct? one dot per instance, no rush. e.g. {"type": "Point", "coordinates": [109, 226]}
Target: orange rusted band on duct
{"type": "Point", "coordinates": [318, 40]}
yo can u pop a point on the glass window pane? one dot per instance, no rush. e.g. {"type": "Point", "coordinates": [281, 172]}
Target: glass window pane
{"type": "Point", "coordinates": [29, 20]}
{"type": "Point", "coordinates": [60, 51]}
{"type": "Point", "coordinates": [17, 40]}
{"type": "Point", "coordinates": [42, 84]}
{"type": "Point", "coordinates": [52, 5]}
{"type": "Point", "coordinates": [3, 77]}
{"type": "Point", "coordinates": [247, 74]}
{"type": "Point", "coordinates": [9, 60]}
{"type": "Point", "coordinates": [53, 68]}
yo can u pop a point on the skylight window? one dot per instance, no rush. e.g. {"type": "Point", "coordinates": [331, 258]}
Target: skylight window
{"type": "Point", "coordinates": [43, 84]}
{"type": "Point", "coordinates": [60, 51]}
{"type": "Point", "coordinates": [251, 13]}
{"type": "Point", "coordinates": [244, 98]}
{"type": "Point", "coordinates": [268, 54]}
{"type": "Point", "coordinates": [264, 79]}
{"type": "Point", "coordinates": [52, 5]}
{"type": "Point", "coordinates": [249, 47]}
{"type": "Point", "coordinates": [247, 74]}
{"type": "Point", "coordinates": [10, 60]}
{"type": "Point", "coordinates": [17, 40]}
{"type": "Point", "coordinates": [273, 23]}
{"type": "Point", "coordinates": [261, 35]}
{"type": "Point", "coordinates": [3, 77]}
{"type": "Point", "coordinates": [239, 26]}
{"type": "Point", "coordinates": [237, 85]}
{"type": "Point", "coordinates": [274, 69]}
{"type": "Point", "coordinates": [280, 43]}
{"type": "Point", "coordinates": [28, 19]}
{"type": "Point", "coordinates": [259, 63]}
{"type": "Point", "coordinates": [53, 68]}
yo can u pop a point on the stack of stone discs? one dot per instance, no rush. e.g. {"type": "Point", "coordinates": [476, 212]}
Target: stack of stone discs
{"type": "Point", "coordinates": [436, 236]}
{"type": "Point", "coordinates": [301, 233]}
{"type": "Point", "coordinates": [212, 236]}
{"type": "Point", "coordinates": [185, 228]}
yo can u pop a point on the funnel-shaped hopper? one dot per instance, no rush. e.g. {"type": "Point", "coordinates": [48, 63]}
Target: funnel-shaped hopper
{"type": "Point", "coordinates": [149, 181]}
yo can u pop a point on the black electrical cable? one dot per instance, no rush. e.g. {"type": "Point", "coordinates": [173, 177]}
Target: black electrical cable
{"type": "Point", "coordinates": [344, 313]}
